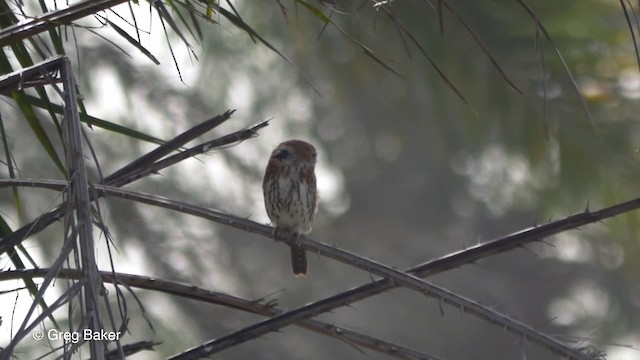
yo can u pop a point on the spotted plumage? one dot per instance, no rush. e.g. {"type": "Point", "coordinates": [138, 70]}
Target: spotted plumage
{"type": "Point", "coordinates": [290, 196]}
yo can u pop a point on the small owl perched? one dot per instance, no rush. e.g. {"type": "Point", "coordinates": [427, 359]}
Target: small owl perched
{"type": "Point", "coordinates": [290, 196]}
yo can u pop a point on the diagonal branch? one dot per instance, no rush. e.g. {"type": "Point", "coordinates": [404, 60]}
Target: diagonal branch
{"type": "Point", "coordinates": [370, 266]}
{"type": "Point", "coordinates": [168, 147]}
{"type": "Point", "coordinates": [395, 278]}
{"type": "Point", "coordinates": [143, 169]}
{"type": "Point", "coordinates": [24, 29]}
{"type": "Point", "coordinates": [258, 307]}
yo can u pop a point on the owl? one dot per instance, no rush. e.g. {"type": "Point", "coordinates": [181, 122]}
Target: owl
{"type": "Point", "coordinates": [290, 196]}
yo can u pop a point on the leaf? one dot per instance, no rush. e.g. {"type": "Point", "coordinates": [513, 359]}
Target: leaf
{"type": "Point", "coordinates": [366, 49]}
{"type": "Point", "coordinates": [210, 5]}
{"type": "Point", "coordinates": [182, 20]}
{"type": "Point", "coordinates": [20, 98]}
{"type": "Point", "coordinates": [572, 80]}
{"type": "Point", "coordinates": [484, 49]}
{"type": "Point", "coordinates": [103, 124]}
{"type": "Point", "coordinates": [315, 11]}
{"type": "Point", "coordinates": [14, 257]}
{"type": "Point", "coordinates": [53, 33]}
{"type": "Point", "coordinates": [9, 160]}
{"type": "Point", "coordinates": [165, 16]}
{"type": "Point", "coordinates": [32, 119]}
{"type": "Point", "coordinates": [13, 33]}
{"type": "Point", "coordinates": [132, 41]}
{"type": "Point", "coordinates": [194, 22]}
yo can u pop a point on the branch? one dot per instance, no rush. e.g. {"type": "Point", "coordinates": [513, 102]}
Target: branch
{"type": "Point", "coordinates": [143, 168]}
{"type": "Point", "coordinates": [24, 29]}
{"type": "Point", "coordinates": [193, 292]}
{"type": "Point", "coordinates": [79, 199]}
{"type": "Point", "coordinates": [70, 293]}
{"type": "Point", "coordinates": [395, 277]}
{"type": "Point", "coordinates": [163, 150]}
{"type": "Point", "coordinates": [42, 73]}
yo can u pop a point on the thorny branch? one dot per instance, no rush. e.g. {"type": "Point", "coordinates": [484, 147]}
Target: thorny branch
{"type": "Point", "coordinates": [395, 278]}
{"type": "Point", "coordinates": [260, 307]}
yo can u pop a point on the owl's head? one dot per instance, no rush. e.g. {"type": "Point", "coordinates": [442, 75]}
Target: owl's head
{"type": "Point", "coordinates": [295, 152]}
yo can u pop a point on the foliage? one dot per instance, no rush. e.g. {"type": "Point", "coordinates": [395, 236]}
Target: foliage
{"type": "Point", "coordinates": [39, 45]}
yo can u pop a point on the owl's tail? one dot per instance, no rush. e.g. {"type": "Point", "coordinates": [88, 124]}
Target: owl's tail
{"type": "Point", "coordinates": [298, 260]}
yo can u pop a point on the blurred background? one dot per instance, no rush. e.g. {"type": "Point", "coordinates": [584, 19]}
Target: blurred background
{"type": "Point", "coordinates": [408, 170]}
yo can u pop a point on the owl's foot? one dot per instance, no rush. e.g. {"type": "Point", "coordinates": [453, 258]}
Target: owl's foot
{"type": "Point", "coordinates": [286, 236]}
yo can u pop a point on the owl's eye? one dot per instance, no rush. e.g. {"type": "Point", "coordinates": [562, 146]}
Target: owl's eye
{"type": "Point", "coordinates": [281, 154]}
